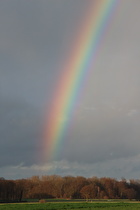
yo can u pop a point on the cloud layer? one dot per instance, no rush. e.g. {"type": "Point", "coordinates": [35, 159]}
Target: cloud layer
{"type": "Point", "coordinates": [103, 137]}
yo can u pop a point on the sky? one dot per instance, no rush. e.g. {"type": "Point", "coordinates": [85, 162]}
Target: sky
{"type": "Point", "coordinates": [104, 135]}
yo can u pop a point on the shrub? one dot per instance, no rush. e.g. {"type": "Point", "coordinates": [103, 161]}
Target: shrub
{"type": "Point", "coordinates": [42, 201]}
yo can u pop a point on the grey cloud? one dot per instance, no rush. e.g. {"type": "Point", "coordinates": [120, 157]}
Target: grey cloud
{"type": "Point", "coordinates": [36, 39]}
{"type": "Point", "coordinates": [19, 132]}
{"type": "Point", "coordinates": [33, 40]}
{"type": "Point", "coordinates": [116, 168]}
{"type": "Point", "coordinates": [103, 136]}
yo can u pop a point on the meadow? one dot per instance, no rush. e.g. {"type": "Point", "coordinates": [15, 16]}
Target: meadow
{"type": "Point", "coordinates": [74, 206]}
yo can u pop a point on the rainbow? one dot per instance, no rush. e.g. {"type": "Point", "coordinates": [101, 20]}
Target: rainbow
{"type": "Point", "coordinates": [76, 69]}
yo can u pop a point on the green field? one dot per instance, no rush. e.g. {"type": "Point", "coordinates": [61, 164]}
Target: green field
{"type": "Point", "coordinates": [75, 206]}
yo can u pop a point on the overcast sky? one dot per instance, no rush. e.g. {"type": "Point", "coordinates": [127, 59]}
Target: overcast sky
{"type": "Point", "coordinates": [104, 137]}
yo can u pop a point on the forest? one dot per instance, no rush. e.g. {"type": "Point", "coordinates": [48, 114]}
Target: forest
{"type": "Point", "coordinates": [68, 187]}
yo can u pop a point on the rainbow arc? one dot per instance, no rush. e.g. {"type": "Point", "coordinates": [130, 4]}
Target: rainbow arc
{"type": "Point", "coordinates": [77, 68]}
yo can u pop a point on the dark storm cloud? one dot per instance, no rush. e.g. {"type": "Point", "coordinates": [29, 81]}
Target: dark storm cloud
{"type": "Point", "coordinates": [33, 39]}
{"type": "Point", "coordinates": [36, 38]}
{"type": "Point", "coordinates": [110, 134]}
{"type": "Point", "coordinates": [19, 132]}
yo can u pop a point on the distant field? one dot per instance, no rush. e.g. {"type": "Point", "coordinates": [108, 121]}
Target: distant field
{"type": "Point", "coordinates": [75, 206]}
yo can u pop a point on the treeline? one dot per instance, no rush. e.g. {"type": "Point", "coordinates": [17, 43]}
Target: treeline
{"type": "Point", "coordinates": [68, 187]}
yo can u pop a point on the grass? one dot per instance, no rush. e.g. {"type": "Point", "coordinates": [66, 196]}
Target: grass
{"type": "Point", "coordinates": [74, 206]}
